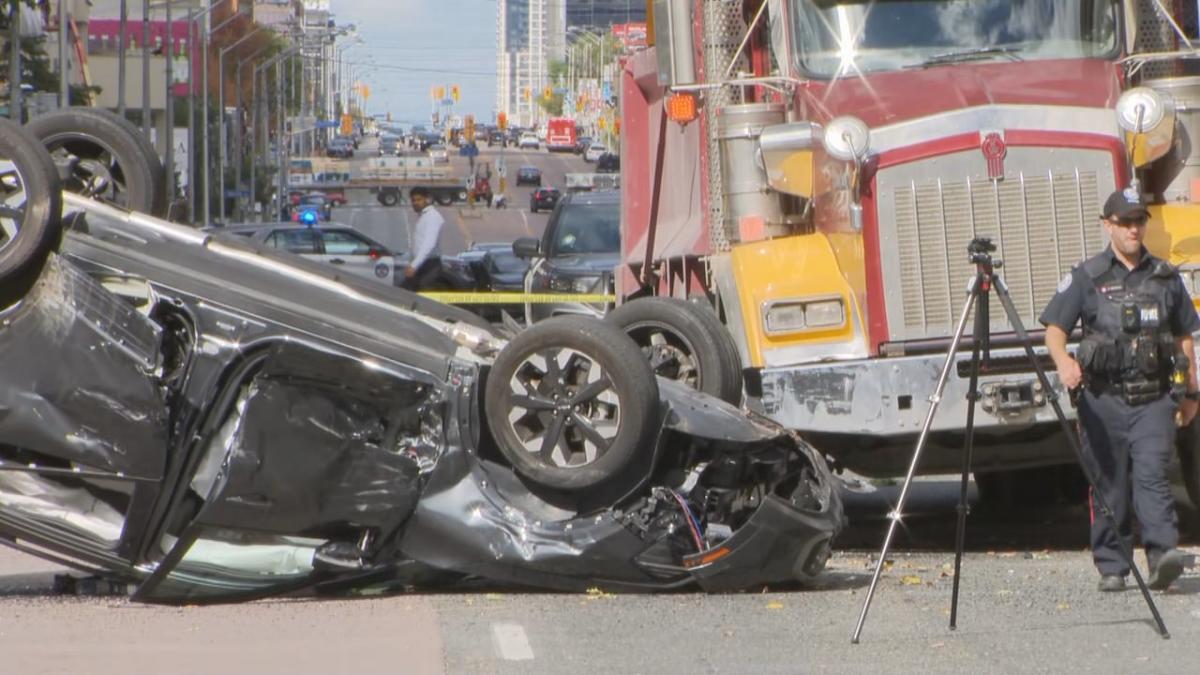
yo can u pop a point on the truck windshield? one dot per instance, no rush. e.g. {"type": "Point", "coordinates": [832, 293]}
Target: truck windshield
{"type": "Point", "coordinates": [834, 39]}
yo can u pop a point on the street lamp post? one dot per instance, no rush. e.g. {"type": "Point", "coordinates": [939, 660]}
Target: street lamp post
{"type": "Point", "coordinates": [256, 103]}
{"type": "Point", "coordinates": [204, 38]}
{"type": "Point", "coordinates": [221, 117]}
{"type": "Point", "coordinates": [239, 141]}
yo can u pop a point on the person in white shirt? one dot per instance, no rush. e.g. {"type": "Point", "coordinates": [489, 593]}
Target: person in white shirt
{"type": "Point", "coordinates": [426, 265]}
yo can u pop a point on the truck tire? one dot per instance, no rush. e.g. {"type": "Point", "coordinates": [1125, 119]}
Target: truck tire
{"type": "Point", "coordinates": [571, 403]}
{"type": "Point", "coordinates": [443, 198]}
{"type": "Point", "coordinates": [683, 341]}
{"type": "Point", "coordinates": [103, 155]}
{"type": "Point", "coordinates": [389, 198]}
{"type": "Point", "coordinates": [30, 211]}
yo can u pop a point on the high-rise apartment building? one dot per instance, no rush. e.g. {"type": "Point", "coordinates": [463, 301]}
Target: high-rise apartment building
{"type": "Point", "coordinates": [529, 34]}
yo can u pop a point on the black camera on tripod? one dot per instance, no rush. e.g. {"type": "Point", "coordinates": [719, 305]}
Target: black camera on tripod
{"type": "Point", "coordinates": [980, 250]}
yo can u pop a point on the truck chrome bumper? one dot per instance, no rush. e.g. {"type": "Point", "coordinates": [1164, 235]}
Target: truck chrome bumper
{"type": "Point", "coordinates": [891, 396]}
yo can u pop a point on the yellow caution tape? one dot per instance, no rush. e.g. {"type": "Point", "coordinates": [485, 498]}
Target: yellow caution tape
{"type": "Point", "coordinates": [509, 298]}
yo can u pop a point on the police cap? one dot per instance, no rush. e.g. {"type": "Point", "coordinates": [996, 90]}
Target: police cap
{"type": "Point", "coordinates": [1125, 204]}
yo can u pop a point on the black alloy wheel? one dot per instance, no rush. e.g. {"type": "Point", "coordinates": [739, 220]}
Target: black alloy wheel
{"type": "Point", "coordinates": [683, 341]}
{"type": "Point", "coordinates": [571, 403]}
{"type": "Point", "coordinates": [30, 211]}
{"type": "Point", "coordinates": [103, 156]}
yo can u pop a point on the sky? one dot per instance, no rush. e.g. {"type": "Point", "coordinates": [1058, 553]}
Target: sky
{"type": "Point", "coordinates": [411, 45]}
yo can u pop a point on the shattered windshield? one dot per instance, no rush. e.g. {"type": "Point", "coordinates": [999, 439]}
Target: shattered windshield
{"type": "Point", "coordinates": [840, 38]}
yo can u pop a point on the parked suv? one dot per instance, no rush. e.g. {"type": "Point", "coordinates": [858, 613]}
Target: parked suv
{"type": "Point", "coordinates": [581, 247]}
{"type": "Point", "coordinates": [335, 244]}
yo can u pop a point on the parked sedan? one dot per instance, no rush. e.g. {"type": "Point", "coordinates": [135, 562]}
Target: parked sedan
{"type": "Point", "coordinates": [593, 152]}
{"type": "Point", "coordinates": [529, 175]}
{"type": "Point", "coordinates": [528, 141]}
{"type": "Point", "coordinates": [213, 419]}
{"type": "Point", "coordinates": [543, 199]}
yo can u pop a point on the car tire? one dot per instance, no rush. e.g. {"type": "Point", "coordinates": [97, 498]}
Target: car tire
{"type": "Point", "coordinates": [92, 143]}
{"type": "Point", "coordinates": [33, 228]}
{"type": "Point", "coordinates": [443, 199]}
{"type": "Point", "coordinates": [683, 341]}
{"type": "Point", "coordinates": [389, 198]}
{"type": "Point", "coordinates": [553, 440]}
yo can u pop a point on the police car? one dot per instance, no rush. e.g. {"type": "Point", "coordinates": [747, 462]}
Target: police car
{"type": "Point", "coordinates": [339, 245]}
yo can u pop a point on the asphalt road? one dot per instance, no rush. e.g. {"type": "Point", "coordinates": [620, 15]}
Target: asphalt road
{"type": "Point", "coordinates": [391, 226]}
{"type": "Point", "coordinates": [1028, 604]}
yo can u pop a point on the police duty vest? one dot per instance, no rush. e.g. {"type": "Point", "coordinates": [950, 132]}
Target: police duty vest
{"type": "Point", "coordinates": [1130, 338]}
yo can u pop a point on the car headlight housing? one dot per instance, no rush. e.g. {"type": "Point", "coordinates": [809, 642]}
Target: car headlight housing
{"type": "Point", "coordinates": [793, 316]}
{"type": "Point", "coordinates": [585, 284]}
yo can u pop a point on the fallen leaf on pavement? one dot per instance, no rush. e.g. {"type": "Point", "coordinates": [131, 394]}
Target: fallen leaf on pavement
{"type": "Point", "coordinates": [774, 604]}
{"type": "Point", "coordinates": [910, 580]}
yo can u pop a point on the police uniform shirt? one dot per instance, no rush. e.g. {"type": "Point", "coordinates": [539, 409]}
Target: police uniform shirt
{"type": "Point", "coordinates": [1077, 297]}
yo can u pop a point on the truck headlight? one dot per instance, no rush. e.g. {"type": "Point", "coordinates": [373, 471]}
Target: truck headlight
{"type": "Point", "coordinates": [791, 316]}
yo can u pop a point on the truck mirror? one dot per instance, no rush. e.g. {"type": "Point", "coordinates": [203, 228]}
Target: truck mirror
{"type": "Point", "coordinates": [673, 42]}
{"type": "Point", "coordinates": [787, 152]}
{"type": "Point", "coordinates": [526, 248]}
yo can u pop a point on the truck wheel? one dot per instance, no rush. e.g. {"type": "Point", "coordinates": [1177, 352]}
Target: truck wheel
{"type": "Point", "coordinates": [30, 211]}
{"type": "Point", "coordinates": [683, 341]}
{"type": "Point", "coordinates": [103, 156]}
{"type": "Point", "coordinates": [571, 403]}
{"type": "Point", "coordinates": [443, 199]}
{"type": "Point", "coordinates": [388, 198]}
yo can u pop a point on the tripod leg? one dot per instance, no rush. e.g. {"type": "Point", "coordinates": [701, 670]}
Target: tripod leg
{"type": "Point", "coordinates": [936, 398]}
{"type": "Point", "coordinates": [1097, 495]}
{"type": "Point", "coordinates": [978, 338]}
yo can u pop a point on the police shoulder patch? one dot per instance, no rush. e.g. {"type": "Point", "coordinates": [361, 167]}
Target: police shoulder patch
{"type": "Point", "coordinates": [1065, 283]}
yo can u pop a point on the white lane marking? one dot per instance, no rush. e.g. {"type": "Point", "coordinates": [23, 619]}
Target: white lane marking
{"type": "Point", "coordinates": [525, 222]}
{"type": "Point", "coordinates": [511, 642]}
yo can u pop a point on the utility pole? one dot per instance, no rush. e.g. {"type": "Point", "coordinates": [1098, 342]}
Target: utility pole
{"type": "Point", "coordinates": [169, 123]}
{"type": "Point", "coordinates": [14, 61]}
{"type": "Point", "coordinates": [123, 39]}
{"type": "Point", "coordinates": [64, 77]}
{"type": "Point", "coordinates": [146, 68]}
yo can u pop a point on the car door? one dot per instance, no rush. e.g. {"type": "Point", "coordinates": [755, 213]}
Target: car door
{"type": "Point", "coordinates": [355, 253]}
{"type": "Point", "coordinates": [301, 456]}
{"type": "Point", "coordinates": [304, 242]}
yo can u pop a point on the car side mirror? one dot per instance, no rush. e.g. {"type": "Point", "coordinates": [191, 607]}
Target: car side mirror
{"type": "Point", "coordinates": [527, 247]}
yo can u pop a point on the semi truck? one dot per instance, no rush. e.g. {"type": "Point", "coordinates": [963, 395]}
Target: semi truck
{"type": "Point", "coordinates": [390, 179]}
{"type": "Point", "coordinates": [814, 171]}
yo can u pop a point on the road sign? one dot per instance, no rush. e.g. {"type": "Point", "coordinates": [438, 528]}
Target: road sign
{"type": "Point", "coordinates": [327, 124]}
{"type": "Point", "coordinates": [237, 194]}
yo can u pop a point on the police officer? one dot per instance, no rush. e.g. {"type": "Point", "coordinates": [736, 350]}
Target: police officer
{"type": "Point", "coordinates": [1138, 321]}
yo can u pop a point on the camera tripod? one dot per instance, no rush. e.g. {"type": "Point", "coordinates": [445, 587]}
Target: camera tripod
{"type": "Point", "coordinates": [985, 281]}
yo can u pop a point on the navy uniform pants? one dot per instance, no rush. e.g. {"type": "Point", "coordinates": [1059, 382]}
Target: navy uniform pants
{"type": "Point", "coordinates": [1129, 447]}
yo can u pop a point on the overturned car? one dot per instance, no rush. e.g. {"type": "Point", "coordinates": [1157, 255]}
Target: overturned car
{"type": "Point", "coordinates": [214, 420]}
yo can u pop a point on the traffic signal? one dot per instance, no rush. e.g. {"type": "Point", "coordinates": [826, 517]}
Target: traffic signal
{"type": "Point", "coordinates": [502, 120]}
{"type": "Point", "coordinates": [454, 92]}
{"type": "Point", "coordinates": [547, 93]}
{"type": "Point", "coordinates": [441, 93]}
{"type": "Point", "coordinates": [469, 128]}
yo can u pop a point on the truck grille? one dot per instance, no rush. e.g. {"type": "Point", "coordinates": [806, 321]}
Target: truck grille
{"type": "Point", "coordinates": [1042, 221]}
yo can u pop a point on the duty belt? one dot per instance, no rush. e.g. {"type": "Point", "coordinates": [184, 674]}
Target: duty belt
{"type": "Point", "coordinates": [1134, 392]}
